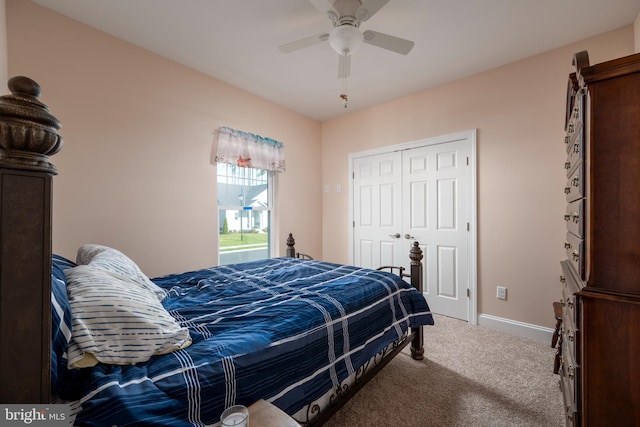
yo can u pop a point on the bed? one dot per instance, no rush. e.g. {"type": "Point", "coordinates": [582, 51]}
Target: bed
{"type": "Point", "coordinates": [123, 349]}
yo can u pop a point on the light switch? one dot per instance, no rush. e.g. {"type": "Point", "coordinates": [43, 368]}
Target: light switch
{"type": "Point", "coordinates": [338, 188]}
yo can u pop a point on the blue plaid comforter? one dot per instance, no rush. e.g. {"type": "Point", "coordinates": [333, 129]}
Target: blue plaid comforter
{"type": "Point", "coordinates": [284, 330]}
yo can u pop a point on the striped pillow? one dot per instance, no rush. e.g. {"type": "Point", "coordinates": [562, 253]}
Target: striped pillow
{"type": "Point", "coordinates": [116, 322]}
{"type": "Point", "coordinates": [115, 261]}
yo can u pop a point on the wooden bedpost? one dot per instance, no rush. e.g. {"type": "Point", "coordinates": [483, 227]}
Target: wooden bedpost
{"type": "Point", "coordinates": [415, 254]}
{"type": "Point", "coordinates": [27, 138]}
{"type": "Point", "coordinates": [291, 243]}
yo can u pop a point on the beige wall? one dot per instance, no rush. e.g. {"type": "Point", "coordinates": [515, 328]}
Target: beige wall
{"type": "Point", "coordinates": [3, 48]}
{"type": "Point", "coordinates": [518, 110]}
{"type": "Point", "coordinates": [636, 28]}
{"type": "Point", "coordinates": [135, 171]}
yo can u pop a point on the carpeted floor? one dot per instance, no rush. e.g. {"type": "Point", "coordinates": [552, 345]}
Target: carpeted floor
{"type": "Point", "coordinates": [471, 376]}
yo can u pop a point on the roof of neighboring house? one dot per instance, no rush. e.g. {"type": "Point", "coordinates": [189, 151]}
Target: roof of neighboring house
{"type": "Point", "coordinates": [230, 195]}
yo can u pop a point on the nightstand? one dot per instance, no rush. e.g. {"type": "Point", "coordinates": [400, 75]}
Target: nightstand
{"type": "Point", "coordinates": [264, 414]}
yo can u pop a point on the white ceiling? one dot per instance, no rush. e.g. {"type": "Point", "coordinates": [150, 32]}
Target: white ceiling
{"type": "Point", "coordinates": [237, 41]}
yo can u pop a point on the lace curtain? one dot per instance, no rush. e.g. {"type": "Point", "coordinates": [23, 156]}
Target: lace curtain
{"type": "Point", "coordinates": [247, 150]}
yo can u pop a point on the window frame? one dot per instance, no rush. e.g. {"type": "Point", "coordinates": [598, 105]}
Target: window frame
{"type": "Point", "coordinates": [270, 208]}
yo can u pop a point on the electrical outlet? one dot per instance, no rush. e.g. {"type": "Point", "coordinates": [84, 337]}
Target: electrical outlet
{"type": "Point", "coordinates": [502, 292]}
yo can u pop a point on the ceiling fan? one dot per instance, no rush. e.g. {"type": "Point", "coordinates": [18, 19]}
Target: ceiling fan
{"type": "Point", "coordinates": [345, 37]}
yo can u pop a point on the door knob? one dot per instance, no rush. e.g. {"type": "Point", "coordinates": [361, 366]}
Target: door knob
{"type": "Point", "coordinates": [395, 236]}
{"type": "Point", "coordinates": [408, 236]}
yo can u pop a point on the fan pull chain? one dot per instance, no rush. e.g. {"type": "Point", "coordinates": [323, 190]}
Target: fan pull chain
{"type": "Point", "coordinates": [344, 95]}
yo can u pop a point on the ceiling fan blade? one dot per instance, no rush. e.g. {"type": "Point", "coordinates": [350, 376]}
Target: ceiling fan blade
{"type": "Point", "coordinates": [369, 8]}
{"type": "Point", "coordinates": [385, 41]}
{"type": "Point", "coordinates": [325, 6]}
{"type": "Point", "coordinates": [344, 66]}
{"type": "Point", "coordinates": [302, 43]}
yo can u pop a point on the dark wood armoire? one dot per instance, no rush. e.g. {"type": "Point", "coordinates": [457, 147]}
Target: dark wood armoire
{"type": "Point", "coordinates": [599, 352]}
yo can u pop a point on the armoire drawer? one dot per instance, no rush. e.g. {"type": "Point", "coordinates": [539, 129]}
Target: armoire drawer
{"type": "Point", "coordinates": [570, 286]}
{"type": "Point", "coordinates": [574, 189]}
{"type": "Point", "coordinates": [569, 369]}
{"type": "Point", "coordinates": [574, 130]}
{"type": "Point", "coordinates": [570, 404]}
{"type": "Point", "coordinates": [575, 125]}
{"type": "Point", "coordinates": [574, 248]}
{"type": "Point", "coordinates": [570, 375]}
{"type": "Point", "coordinates": [574, 217]}
{"type": "Point", "coordinates": [575, 156]}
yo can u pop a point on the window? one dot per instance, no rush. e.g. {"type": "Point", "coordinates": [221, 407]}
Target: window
{"type": "Point", "coordinates": [247, 164]}
{"type": "Point", "coordinates": [245, 207]}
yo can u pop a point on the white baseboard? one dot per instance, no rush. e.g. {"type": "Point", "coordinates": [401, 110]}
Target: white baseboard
{"type": "Point", "coordinates": [515, 327]}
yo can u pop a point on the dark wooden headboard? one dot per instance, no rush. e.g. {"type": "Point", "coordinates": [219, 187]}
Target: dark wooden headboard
{"type": "Point", "coordinates": [28, 136]}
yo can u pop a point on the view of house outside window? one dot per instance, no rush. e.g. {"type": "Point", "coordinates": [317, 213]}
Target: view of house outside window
{"type": "Point", "coordinates": [245, 211]}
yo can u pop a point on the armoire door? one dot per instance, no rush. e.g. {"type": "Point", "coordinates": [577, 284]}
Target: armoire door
{"type": "Point", "coordinates": [417, 194]}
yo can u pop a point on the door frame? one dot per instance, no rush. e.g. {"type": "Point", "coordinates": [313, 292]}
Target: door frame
{"type": "Point", "coordinates": [470, 136]}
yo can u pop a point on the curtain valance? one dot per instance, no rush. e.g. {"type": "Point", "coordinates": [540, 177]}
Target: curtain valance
{"type": "Point", "coordinates": [247, 150]}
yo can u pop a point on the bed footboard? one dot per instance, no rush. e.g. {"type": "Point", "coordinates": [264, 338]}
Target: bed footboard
{"type": "Point", "coordinates": [291, 249]}
{"type": "Point", "coordinates": [416, 274]}
{"type": "Point", "coordinates": [291, 246]}
{"type": "Point", "coordinates": [317, 413]}
{"type": "Point", "coordinates": [416, 278]}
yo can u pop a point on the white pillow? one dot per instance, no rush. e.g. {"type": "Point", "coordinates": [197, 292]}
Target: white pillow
{"type": "Point", "coordinates": [115, 261]}
{"type": "Point", "coordinates": [117, 322]}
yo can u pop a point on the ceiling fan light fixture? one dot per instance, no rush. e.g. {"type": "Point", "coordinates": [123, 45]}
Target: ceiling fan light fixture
{"type": "Point", "coordinates": [345, 39]}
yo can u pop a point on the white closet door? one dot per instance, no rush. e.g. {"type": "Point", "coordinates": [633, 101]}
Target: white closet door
{"type": "Point", "coordinates": [418, 193]}
{"type": "Point", "coordinates": [436, 214]}
{"type": "Point", "coordinates": [377, 210]}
